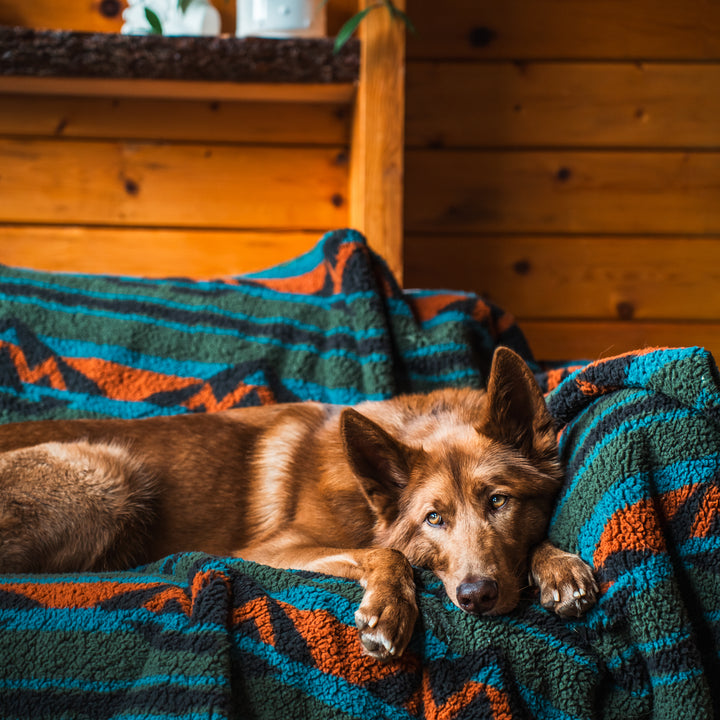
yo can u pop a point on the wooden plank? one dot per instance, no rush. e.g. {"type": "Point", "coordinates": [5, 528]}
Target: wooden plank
{"type": "Point", "coordinates": [577, 340]}
{"type": "Point", "coordinates": [220, 186]}
{"type": "Point", "coordinates": [194, 120]}
{"type": "Point", "coordinates": [149, 251]}
{"type": "Point", "coordinates": [563, 192]}
{"type": "Point", "coordinates": [376, 172]}
{"type": "Point", "coordinates": [180, 89]}
{"type": "Point", "coordinates": [563, 104]}
{"type": "Point", "coordinates": [609, 278]}
{"type": "Point", "coordinates": [93, 16]}
{"type": "Point", "coordinates": [598, 29]}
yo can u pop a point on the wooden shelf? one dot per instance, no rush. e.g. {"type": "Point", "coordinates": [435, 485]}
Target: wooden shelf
{"type": "Point", "coordinates": [218, 68]}
{"type": "Point", "coordinates": [180, 89]}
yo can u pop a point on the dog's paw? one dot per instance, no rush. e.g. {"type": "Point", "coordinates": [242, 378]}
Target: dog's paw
{"type": "Point", "coordinates": [385, 621]}
{"type": "Point", "coordinates": [566, 583]}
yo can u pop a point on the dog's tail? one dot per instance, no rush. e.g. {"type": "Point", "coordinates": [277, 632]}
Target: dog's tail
{"type": "Point", "coordinates": [70, 507]}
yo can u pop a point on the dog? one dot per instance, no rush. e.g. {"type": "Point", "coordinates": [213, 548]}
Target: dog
{"type": "Point", "coordinates": [459, 481]}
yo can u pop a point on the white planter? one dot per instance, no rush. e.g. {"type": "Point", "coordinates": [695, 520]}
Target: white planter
{"type": "Point", "coordinates": [281, 18]}
{"type": "Point", "coordinates": [200, 18]}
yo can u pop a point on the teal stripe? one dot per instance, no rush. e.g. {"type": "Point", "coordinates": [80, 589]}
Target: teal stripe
{"type": "Point", "coordinates": [209, 330]}
{"type": "Point", "coordinates": [333, 691]}
{"type": "Point", "coordinates": [273, 320]}
{"type": "Point", "coordinates": [632, 425]}
{"type": "Point", "coordinates": [108, 686]}
{"type": "Point", "coordinates": [93, 403]}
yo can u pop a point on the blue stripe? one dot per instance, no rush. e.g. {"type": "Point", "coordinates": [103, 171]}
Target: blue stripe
{"type": "Point", "coordinates": [211, 330]}
{"type": "Point", "coordinates": [94, 620]}
{"type": "Point", "coordinates": [543, 708]}
{"type": "Point", "coordinates": [632, 425]}
{"type": "Point", "coordinates": [108, 686]}
{"type": "Point", "coordinates": [642, 367]}
{"type": "Point", "coordinates": [634, 488]}
{"type": "Point", "coordinates": [332, 690]}
{"type": "Point", "coordinates": [228, 289]}
{"type": "Point", "coordinates": [362, 333]}
{"type": "Point", "coordinates": [93, 403]}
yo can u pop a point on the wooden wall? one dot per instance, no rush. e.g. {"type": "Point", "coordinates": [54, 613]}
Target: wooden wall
{"type": "Point", "coordinates": [563, 158]}
{"type": "Point", "coordinates": [105, 183]}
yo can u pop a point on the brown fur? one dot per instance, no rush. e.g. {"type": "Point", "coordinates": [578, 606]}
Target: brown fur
{"type": "Point", "coordinates": [458, 481]}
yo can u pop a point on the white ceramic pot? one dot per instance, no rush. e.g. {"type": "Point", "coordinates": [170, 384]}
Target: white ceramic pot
{"type": "Point", "coordinates": [281, 18]}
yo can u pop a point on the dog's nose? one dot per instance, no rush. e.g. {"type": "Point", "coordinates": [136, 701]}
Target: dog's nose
{"type": "Point", "coordinates": [477, 596]}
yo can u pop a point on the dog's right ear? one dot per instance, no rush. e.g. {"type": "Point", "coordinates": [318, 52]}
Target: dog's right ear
{"type": "Point", "coordinates": [515, 411]}
{"type": "Point", "coordinates": [381, 463]}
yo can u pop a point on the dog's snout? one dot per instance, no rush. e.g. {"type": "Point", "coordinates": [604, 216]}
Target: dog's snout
{"type": "Point", "coordinates": [477, 596]}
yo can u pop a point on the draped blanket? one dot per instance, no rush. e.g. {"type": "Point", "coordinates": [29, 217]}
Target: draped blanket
{"type": "Point", "coordinates": [196, 636]}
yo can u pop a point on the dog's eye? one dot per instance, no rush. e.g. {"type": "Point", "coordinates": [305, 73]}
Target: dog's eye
{"type": "Point", "coordinates": [497, 501]}
{"type": "Point", "coordinates": [434, 519]}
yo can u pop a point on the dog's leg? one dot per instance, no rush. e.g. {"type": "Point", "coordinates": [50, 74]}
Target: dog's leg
{"type": "Point", "coordinates": [566, 582]}
{"type": "Point", "coordinates": [388, 609]}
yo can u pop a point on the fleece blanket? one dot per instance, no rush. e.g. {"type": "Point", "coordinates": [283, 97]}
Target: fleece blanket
{"type": "Point", "coordinates": [196, 636]}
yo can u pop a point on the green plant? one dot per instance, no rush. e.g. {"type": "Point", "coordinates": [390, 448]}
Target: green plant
{"type": "Point", "coordinates": [155, 23]}
{"type": "Point", "coordinates": [347, 30]}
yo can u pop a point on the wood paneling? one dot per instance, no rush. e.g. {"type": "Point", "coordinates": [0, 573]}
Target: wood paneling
{"type": "Point", "coordinates": [588, 340]}
{"type": "Point", "coordinates": [135, 251]}
{"type": "Point", "coordinates": [568, 29]}
{"type": "Point", "coordinates": [173, 185]}
{"type": "Point", "coordinates": [563, 192]}
{"type": "Point", "coordinates": [606, 278]}
{"type": "Point", "coordinates": [152, 119]}
{"type": "Point", "coordinates": [600, 104]}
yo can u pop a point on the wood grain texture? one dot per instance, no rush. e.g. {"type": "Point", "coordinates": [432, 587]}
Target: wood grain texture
{"type": "Point", "coordinates": [188, 120]}
{"type": "Point", "coordinates": [171, 185]}
{"type": "Point", "coordinates": [560, 104]}
{"type": "Point", "coordinates": [377, 162]}
{"type": "Point", "coordinates": [601, 278]}
{"type": "Point", "coordinates": [150, 252]}
{"type": "Point", "coordinates": [214, 91]}
{"type": "Point", "coordinates": [563, 192]}
{"type": "Point", "coordinates": [562, 340]}
{"type": "Point", "coordinates": [590, 29]}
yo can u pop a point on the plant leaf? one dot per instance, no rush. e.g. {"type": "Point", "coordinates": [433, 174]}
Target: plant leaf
{"type": "Point", "coordinates": [154, 20]}
{"type": "Point", "coordinates": [401, 15]}
{"type": "Point", "coordinates": [346, 31]}
{"type": "Point", "coordinates": [183, 5]}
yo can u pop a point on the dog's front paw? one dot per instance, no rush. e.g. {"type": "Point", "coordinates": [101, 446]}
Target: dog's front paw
{"type": "Point", "coordinates": [385, 621]}
{"type": "Point", "coordinates": [566, 582]}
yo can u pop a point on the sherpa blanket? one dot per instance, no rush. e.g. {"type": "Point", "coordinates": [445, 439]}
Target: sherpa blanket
{"type": "Point", "coordinates": [195, 636]}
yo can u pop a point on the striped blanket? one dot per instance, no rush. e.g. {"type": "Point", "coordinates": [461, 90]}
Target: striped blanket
{"type": "Point", "coordinates": [196, 636]}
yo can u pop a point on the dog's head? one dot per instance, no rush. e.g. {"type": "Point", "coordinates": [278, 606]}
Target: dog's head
{"type": "Point", "coordinates": [462, 482]}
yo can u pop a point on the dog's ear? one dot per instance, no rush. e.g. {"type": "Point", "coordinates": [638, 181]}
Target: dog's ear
{"type": "Point", "coordinates": [381, 463]}
{"type": "Point", "coordinates": [515, 410]}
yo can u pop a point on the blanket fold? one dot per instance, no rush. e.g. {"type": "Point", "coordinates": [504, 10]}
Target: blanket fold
{"type": "Point", "coordinates": [195, 636]}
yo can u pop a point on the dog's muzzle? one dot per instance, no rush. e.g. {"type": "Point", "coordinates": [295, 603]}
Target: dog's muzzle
{"type": "Point", "coordinates": [477, 595]}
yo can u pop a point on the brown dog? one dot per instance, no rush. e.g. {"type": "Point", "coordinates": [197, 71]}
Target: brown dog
{"type": "Point", "coordinates": [458, 481]}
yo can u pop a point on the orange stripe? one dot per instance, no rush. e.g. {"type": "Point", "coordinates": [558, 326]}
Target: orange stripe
{"type": "Point", "coordinates": [46, 370]}
{"type": "Point", "coordinates": [325, 635]}
{"type": "Point", "coordinates": [423, 701]}
{"type": "Point", "coordinates": [314, 280]}
{"type": "Point", "coordinates": [639, 526]}
{"type": "Point", "coordinates": [120, 382]}
{"type": "Point", "coordinates": [59, 595]}
{"type": "Point", "coordinates": [428, 307]}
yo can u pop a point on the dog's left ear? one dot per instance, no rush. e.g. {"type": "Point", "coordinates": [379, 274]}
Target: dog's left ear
{"type": "Point", "coordinates": [381, 463]}
{"type": "Point", "coordinates": [515, 410]}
